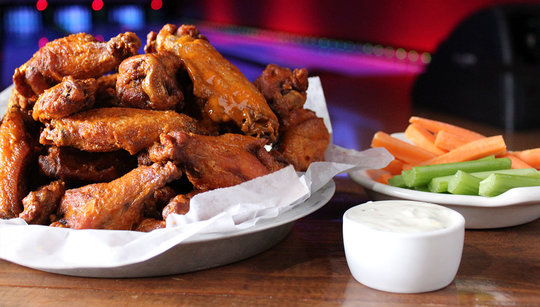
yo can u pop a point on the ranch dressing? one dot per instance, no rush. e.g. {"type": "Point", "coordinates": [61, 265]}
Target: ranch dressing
{"type": "Point", "coordinates": [401, 216]}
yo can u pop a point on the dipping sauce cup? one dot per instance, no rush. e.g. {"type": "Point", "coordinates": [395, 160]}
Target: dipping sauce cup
{"type": "Point", "coordinates": [403, 246]}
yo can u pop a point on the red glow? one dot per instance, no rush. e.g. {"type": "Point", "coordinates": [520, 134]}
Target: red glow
{"type": "Point", "coordinates": [156, 4]}
{"type": "Point", "coordinates": [41, 5]}
{"type": "Point", "coordinates": [97, 5]}
{"type": "Point", "coordinates": [42, 42]}
{"type": "Point", "coordinates": [100, 38]}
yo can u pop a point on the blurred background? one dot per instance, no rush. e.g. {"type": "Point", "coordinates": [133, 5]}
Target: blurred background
{"type": "Point", "coordinates": [369, 54]}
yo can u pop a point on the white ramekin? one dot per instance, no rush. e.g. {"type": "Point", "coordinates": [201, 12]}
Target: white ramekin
{"type": "Point", "coordinates": [403, 261]}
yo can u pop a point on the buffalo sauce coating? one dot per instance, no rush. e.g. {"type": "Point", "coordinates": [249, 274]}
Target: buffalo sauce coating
{"type": "Point", "coordinates": [229, 94]}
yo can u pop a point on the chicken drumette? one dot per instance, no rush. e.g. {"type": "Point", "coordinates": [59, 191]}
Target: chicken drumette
{"type": "Point", "coordinates": [148, 81]}
{"type": "Point", "coordinates": [303, 137]}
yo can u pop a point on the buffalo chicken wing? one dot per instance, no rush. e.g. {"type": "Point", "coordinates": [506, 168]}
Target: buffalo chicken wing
{"type": "Point", "coordinates": [118, 204]}
{"type": "Point", "coordinates": [79, 55]}
{"type": "Point", "coordinates": [228, 93]}
{"type": "Point", "coordinates": [111, 129]}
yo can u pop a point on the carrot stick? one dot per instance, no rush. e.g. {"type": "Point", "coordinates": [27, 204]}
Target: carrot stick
{"type": "Point", "coordinates": [516, 161]}
{"type": "Point", "coordinates": [374, 174]}
{"type": "Point", "coordinates": [401, 150]}
{"type": "Point", "coordinates": [394, 167]}
{"type": "Point", "coordinates": [419, 136]}
{"type": "Point", "coordinates": [529, 156]}
{"type": "Point", "coordinates": [448, 141]}
{"type": "Point", "coordinates": [435, 126]}
{"type": "Point", "coordinates": [384, 178]}
{"type": "Point", "coordinates": [480, 148]}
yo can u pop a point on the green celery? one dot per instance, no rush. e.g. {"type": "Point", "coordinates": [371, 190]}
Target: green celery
{"type": "Point", "coordinates": [440, 184]}
{"type": "Point", "coordinates": [529, 172]}
{"type": "Point", "coordinates": [422, 175]}
{"type": "Point", "coordinates": [464, 184]}
{"type": "Point", "coordinates": [422, 188]}
{"type": "Point", "coordinates": [496, 184]}
{"type": "Point", "coordinates": [397, 181]}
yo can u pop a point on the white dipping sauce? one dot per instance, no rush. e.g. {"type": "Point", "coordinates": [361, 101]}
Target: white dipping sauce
{"type": "Point", "coordinates": [401, 216]}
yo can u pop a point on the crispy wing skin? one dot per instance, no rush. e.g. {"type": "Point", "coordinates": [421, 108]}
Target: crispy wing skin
{"type": "Point", "coordinates": [149, 224]}
{"type": "Point", "coordinates": [111, 129]}
{"type": "Point", "coordinates": [67, 97]}
{"type": "Point", "coordinates": [148, 81]}
{"type": "Point", "coordinates": [78, 166]}
{"type": "Point", "coordinates": [24, 103]}
{"type": "Point", "coordinates": [106, 91]}
{"type": "Point", "coordinates": [154, 204]}
{"type": "Point", "coordinates": [39, 205]}
{"type": "Point", "coordinates": [212, 162]}
{"type": "Point", "coordinates": [304, 139]}
{"type": "Point", "coordinates": [229, 96]}
{"type": "Point", "coordinates": [118, 204]}
{"type": "Point", "coordinates": [179, 204]}
{"type": "Point", "coordinates": [78, 55]}
{"type": "Point", "coordinates": [283, 89]}
{"type": "Point", "coordinates": [16, 151]}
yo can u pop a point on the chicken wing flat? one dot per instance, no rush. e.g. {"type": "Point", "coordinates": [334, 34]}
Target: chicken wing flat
{"type": "Point", "coordinates": [79, 55]}
{"type": "Point", "coordinates": [304, 139]}
{"type": "Point", "coordinates": [229, 95]}
{"type": "Point", "coordinates": [148, 81]}
{"type": "Point", "coordinates": [67, 97]}
{"type": "Point", "coordinates": [39, 205]}
{"type": "Point", "coordinates": [16, 151]}
{"type": "Point", "coordinates": [212, 162]}
{"type": "Point", "coordinates": [111, 129]}
{"type": "Point", "coordinates": [283, 89]}
{"type": "Point", "coordinates": [118, 204]}
{"type": "Point", "coordinates": [78, 166]}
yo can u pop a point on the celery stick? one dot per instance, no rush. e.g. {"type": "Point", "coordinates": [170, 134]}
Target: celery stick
{"type": "Point", "coordinates": [464, 184]}
{"type": "Point", "coordinates": [496, 184]}
{"type": "Point", "coordinates": [440, 184]}
{"type": "Point", "coordinates": [422, 175]}
{"type": "Point", "coordinates": [397, 181]}
{"type": "Point", "coordinates": [529, 172]}
{"type": "Point", "coordinates": [422, 188]}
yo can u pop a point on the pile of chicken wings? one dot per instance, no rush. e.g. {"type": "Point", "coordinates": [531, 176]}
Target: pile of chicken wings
{"type": "Point", "coordinates": [98, 136]}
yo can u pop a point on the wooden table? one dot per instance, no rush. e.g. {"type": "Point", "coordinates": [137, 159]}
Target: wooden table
{"type": "Point", "coordinates": [499, 266]}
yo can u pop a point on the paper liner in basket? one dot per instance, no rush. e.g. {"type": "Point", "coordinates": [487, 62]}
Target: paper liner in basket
{"type": "Point", "coordinates": [220, 210]}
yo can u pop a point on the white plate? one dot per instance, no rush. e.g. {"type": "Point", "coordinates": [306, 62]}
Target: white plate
{"type": "Point", "coordinates": [203, 251]}
{"type": "Point", "coordinates": [514, 207]}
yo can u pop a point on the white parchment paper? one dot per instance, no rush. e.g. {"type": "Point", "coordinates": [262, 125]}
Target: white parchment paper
{"type": "Point", "coordinates": [221, 210]}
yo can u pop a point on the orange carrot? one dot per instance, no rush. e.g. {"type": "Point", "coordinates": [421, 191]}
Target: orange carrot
{"type": "Point", "coordinates": [394, 167]}
{"type": "Point", "coordinates": [419, 136]}
{"type": "Point", "coordinates": [374, 174]}
{"type": "Point", "coordinates": [473, 150]}
{"type": "Point", "coordinates": [516, 162]}
{"type": "Point", "coordinates": [529, 156]}
{"type": "Point", "coordinates": [435, 126]}
{"type": "Point", "coordinates": [384, 178]}
{"type": "Point", "coordinates": [401, 150]}
{"type": "Point", "coordinates": [448, 141]}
